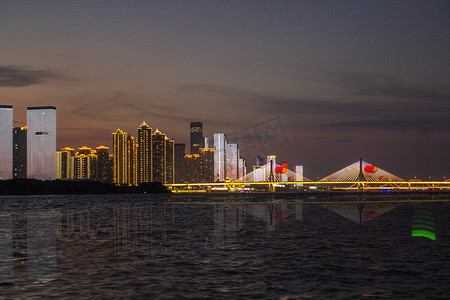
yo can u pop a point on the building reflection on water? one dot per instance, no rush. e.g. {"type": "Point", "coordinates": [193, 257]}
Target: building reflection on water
{"type": "Point", "coordinates": [171, 228]}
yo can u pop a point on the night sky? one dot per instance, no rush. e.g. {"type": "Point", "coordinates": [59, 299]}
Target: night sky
{"type": "Point", "coordinates": [335, 81]}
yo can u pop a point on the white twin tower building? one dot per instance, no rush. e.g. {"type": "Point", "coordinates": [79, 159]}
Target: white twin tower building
{"type": "Point", "coordinates": [40, 145]}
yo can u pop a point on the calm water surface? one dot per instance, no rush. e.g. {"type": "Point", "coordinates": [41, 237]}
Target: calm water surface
{"type": "Point", "coordinates": [224, 247]}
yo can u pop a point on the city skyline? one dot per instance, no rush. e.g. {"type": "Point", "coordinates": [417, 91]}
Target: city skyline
{"type": "Point", "coordinates": [343, 80]}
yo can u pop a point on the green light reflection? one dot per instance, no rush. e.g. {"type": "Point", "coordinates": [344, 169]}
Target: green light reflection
{"type": "Point", "coordinates": [423, 221]}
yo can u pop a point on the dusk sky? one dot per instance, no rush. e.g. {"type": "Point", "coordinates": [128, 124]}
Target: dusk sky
{"type": "Point", "coordinates": [343, 79]}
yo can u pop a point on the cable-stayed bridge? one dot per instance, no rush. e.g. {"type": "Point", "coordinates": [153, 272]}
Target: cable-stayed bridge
{"type": "Point", "coordinates": [359, 176]}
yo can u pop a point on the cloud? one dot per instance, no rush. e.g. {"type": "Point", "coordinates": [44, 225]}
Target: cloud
{"type": "Point", "coordinates": [381, 86]}
{"type": "Point", "coordinates": [124, 105]}
{"type": "Point", "coordinates": [437, 124]}
{"type": "Point", "coordinates": [381, 102]}
{"type": "Point", "coordinates": [19, 76]}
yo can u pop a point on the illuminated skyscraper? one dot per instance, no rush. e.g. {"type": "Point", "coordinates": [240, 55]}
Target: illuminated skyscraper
{"type": "Point", "coordinates": [260, 160]}
{"type": "Point", "coordinates": [220, 143]}
{"type": "Point", "coordinates": [120, 158]}
{"type": "Point", "coordinates": [84, 150]}
{"type": "Point", "coordinates": [298, 174]}
{"type": "Point", "coordinates": [20, 152]}
{"type": "Point", "coordinates": [205, 143]}
{"type": "Point", "coordinates": [159, 156]}
{"type": "Point", "coordinates": [6, 142]}
{"type": "Point", "coordinates": [145, 153]}
{"type": "Point", "coordinates": [242, 167]}
{"type": "Point", "coordinates": [93, 165]}
{"type": "Point", "coordinates": [170, 174]}
{"type": "Point", "coordinates": [41, 142]}
{"type": "Point", "coordinates": [200, 167]}
{"type": "Point", "coordinates": [197, 140]}
{"type": "Point", "coordinates": [64, 164]}
{"type": "Point", "coordinates": [188, 168]}
{"type": "Point", "coordinates": [92, 154]}
{"type": "Point", "coordinates": [103, 167]}
{"type": "Point", "coordinates": [207, 164]}
{"type": "Point", "coordinates": [179, 163]}
{"type": "Point", "coordinates": [68, 149]}
{"type": "Point", "coordinates": [232, 161]}
{"type": "Point", "coordinates": [132, 145]}
{"type": "Point", "coordinates": [192, 168]}
{"type": "Point", "coordinates": [111, 168]}
{"type": "Point", "coordinates": [81, 166]}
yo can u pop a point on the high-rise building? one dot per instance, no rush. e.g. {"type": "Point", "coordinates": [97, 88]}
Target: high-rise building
{"type": "Point", "coordinates": [192, 168]}
{"type": "Point", "coordinates": [84, 150]}
{"type": "Point", "coordinates": [205, 143]}
{"type": "Point", "coordinates": [144, 153]}
{"type": "Point", "coordinates": [6, 142]}
{"type": "Point", "coordinates": [170, 157]}
{"type": "Point", "coordinates": [220, 143]}
{"type": "Point", "coordinates": [298, 173]}
{"type": "Point", "coordinates": [81, 166]}
{"type": "Point", "coordinates": [197, 140]}
{"type": "Point", "coordinates": [179, 153]}
{"type": "Point", "coordinates": [120, 158]}
{"type": "Point", "coordinates": [92, 154]}
{"type": "Point", "coordinates": [20, 152]}
{"type": "Point", "coordinates": [93, 165]}
{"type": "Point", "coordinates": [200, 167]}
{"type": "Point", "coordinates": [111, 168]}
{"type": "Point", "coordinates": [232, 161]}
{"type": "Point", "coordinates": [103, 167]}
{"type": "Point", "coordinates": [68, 149]}
{"type": "Point", "coordinates": [159, 156]}
{"type": "Point", "coordinates": [132, 146]}
{"type": "Point", "coordinates": [64, 164]}
{"type": "Point", "coordinates": [242, 168]}
{"type": "Point", "coordinates": [260, 160]}
{"type": "Point", "coordinates": [207, 164]}
{"type": "Point", "coordinates": [189, 168]}
{"type": "Point", "coordinates": [41, 142]}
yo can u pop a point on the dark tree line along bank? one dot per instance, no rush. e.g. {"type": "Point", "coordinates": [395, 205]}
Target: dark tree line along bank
{"type": "Point", "coordinates": [65, 187]}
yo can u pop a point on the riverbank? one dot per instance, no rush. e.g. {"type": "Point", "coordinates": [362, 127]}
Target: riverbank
{"type": "Point", "coordinates": [69, 187]}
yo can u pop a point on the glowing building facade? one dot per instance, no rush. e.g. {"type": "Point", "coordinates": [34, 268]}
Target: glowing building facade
{"type": "Point", "coordinates": [298, 173]}
{"type": "Point", "coordinates": [159, 156]}
{"type": "Point", "coordinates": [197, 140]}
{"type": "Point", "coordinates": [242, 168]}
{"type": "Point", "coordinates": [20, 152]}
{"type": "Point", "coordinates": [205, 143]}
{"type": "Point", "coordinates": [81, 166]}
{"type": "Point", "coordinates": [120, 158]}
{"type": "Point", "coordinates": [103, 167]}
{"type": "Point", "coordinates": [6, 142]}
{"type": "Point", "coordinates": [132, 146]}
{"type": "Point", "coordinates": [200, 167]}
{"type": "Point", "coordinates": [232, 159]}
{"type": "Point", "coordinates": [220, 143]}
{"type": "Point", "coordinates": [84, 150]}
{"type": "Point", "coordinates": [170, 161]}
{"type": "Point", "coordinates": [41, 142]}
{"type": "Point", "coordinates": [207, 164]}
{"type": "Point", "coordinates": [144, 153]}
{"type": "Point", "coordinates": [64, 164]}
{"type": "Point", "coordinates": [191, 168]}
